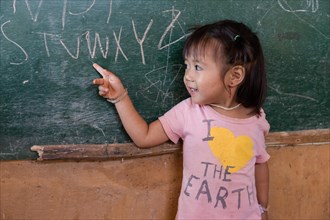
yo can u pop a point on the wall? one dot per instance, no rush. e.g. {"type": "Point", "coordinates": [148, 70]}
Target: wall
{"type": "Point", "coordinates": [147, 188]}
{"type": "Point", "coordinates": [130, 189]}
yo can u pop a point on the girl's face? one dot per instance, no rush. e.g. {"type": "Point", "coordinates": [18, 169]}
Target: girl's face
{"type": "Point", "coordinates": [203, 79]}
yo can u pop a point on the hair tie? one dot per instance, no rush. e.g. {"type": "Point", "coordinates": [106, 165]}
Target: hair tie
{"type": "Point", "coordinates": [236, 37]}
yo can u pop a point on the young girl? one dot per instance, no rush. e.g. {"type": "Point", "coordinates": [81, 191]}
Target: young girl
{"type": "Point", "coordinates": [222, 124]}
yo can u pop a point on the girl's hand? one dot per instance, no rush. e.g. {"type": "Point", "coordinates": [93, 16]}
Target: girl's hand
{"type": "Point", "coordinates": [110, 86]}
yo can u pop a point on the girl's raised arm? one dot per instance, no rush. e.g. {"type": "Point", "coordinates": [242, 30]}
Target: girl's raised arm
{"type": "Point", "coordinates": [143, 134]}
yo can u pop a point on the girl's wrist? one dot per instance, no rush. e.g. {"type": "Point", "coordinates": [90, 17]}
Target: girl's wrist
{"type": "Point", "coordinates": [119, 98]}
{"type": "Point", "coordinates": [264, 210]}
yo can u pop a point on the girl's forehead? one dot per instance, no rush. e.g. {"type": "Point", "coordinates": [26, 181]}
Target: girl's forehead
{"type": "Point", "coordinates": [199, 52]}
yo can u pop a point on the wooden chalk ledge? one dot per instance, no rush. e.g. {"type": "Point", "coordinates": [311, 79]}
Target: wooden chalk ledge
{"type": "Point", "coordinates": [129, 150]}
{"type": "Point", "coordinates": [100, 151]}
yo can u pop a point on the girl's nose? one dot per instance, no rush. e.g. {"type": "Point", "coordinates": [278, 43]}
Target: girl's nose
{"type": "Point", "coordinates": [188, 76]}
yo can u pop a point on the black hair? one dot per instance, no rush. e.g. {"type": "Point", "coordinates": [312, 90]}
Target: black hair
{"type": "Point", "coordinates": [234, 44]}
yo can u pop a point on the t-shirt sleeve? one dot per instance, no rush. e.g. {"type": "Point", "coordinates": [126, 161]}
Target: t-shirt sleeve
{"type": "Point", "coordinates": [262, 154]}
{"type": "Point", "coordinates": [173, 121]}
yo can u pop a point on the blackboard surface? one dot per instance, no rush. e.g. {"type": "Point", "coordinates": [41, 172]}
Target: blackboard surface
{"type": "Point", "coordinates": [48, 46]}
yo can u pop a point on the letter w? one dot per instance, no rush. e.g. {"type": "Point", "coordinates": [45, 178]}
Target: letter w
{"type": "Point", "coordinates": [97, 41]}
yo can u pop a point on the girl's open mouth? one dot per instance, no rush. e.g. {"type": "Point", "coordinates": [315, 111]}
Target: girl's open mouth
{"type": "Point", "coordinates": [192, 90]}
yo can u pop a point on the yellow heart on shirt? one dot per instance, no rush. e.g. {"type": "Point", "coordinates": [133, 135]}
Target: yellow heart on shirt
{"type": "Point", "coordinates": [230, 150]}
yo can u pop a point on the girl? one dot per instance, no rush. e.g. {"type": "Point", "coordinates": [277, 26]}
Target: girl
{"type": "Point", "coordinates": [222, 124]}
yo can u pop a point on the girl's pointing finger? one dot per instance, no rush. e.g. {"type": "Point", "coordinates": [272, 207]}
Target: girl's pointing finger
{"type": "Point", "coordinates": [99, 69]}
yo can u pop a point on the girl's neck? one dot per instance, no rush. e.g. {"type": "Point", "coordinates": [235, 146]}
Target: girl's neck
{"type": "Point", "coordinates": [233, 111]}
{"type": "Point", "coordinates": [226, 108]}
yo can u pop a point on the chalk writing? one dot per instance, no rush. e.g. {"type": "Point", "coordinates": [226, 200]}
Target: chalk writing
{"type": "Point", "coordinates": [301, 5]}
{"type": "Point", "coordinates": [175, 16]}
{"type": "Point", "coordinates": [140, 41]}
{"type": "Point", "coordinates": [277, 90]}
{"type": "Point", "coordinates": [163, 92]}
{"type": "Point", "coordinates": [97, 40]}
{"type": "Point", "coordinates": [98, 128]}
{"type": "Point", "coordinates": [34, 17]}
{"type": "Point", "coordinates": [308, 6]}
{"type": "Point", "coordinates": [64, 13]}
{"type": "Point", "coordinates": [15, 43]}
{"type": "Point", "coordinates": [110, 12]}
{"type": "Point", "coordinates": [79, 13]}
{"type": "Point", "coordinates": [14, 6]}
{"type": "Point", "coordinates": [118, 45]}
{"type": "Point", "coordinates": [77, 51]}
{"type": "Point", "coordinates": [103, 48]}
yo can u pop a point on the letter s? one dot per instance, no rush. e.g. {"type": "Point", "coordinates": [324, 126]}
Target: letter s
{"type": "Point", "coordinates": [16, 44]}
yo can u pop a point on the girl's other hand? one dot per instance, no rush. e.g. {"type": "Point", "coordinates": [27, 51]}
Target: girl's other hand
{"type": "Point", "coordinates": [110, 86]}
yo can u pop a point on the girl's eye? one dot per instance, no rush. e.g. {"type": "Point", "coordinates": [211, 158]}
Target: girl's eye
{"type": "Point", "coordinates": [185, 66]}
{"type": "Point", "coordinates": [198, 68]}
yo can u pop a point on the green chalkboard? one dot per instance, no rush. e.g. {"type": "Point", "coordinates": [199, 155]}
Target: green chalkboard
{"type": "Point", "coordinates": [48, 46]}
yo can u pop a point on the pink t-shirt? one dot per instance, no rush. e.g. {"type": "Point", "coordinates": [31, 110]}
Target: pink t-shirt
{"type": "Point", "coordinates": [219, 157]}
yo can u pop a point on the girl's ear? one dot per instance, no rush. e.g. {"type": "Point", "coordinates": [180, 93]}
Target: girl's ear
{"type": "Point", "coordinates": [235, 76]}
